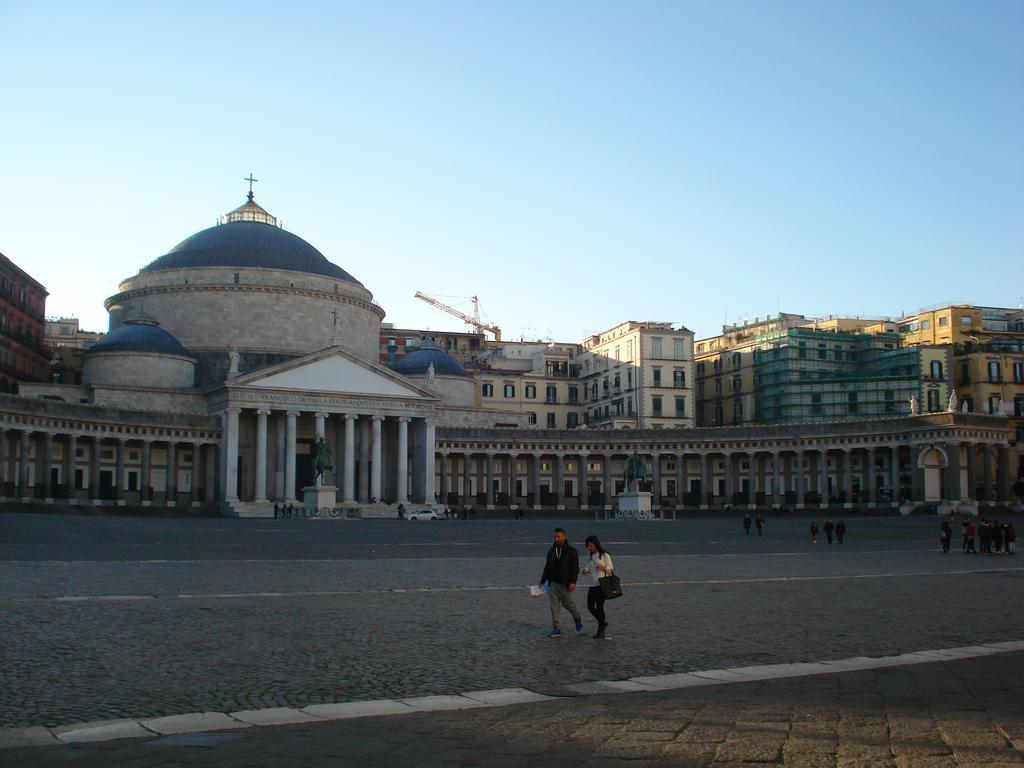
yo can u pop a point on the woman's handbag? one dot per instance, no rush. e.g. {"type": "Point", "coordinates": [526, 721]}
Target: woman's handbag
{"type": "Point", "coordinates": [611, 587]}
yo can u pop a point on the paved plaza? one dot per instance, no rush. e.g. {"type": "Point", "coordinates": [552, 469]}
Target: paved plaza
{"type": "Point", "coordinates": [107, 618]}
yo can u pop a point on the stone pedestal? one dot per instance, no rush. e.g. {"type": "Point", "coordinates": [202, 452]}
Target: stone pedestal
{"type": "Point", "coordinates": [634, 505]}
{"type": "Point", "coordinates": [319, 497]}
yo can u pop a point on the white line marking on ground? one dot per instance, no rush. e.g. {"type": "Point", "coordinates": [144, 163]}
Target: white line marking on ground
{"type": "Point", "coordinates": [498, 587]}
{"type": "Point", "coordinates": [194, 722]}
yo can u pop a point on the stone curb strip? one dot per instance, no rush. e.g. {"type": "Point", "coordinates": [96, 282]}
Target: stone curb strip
{"type": "Point", "coordinates": [198, 722]}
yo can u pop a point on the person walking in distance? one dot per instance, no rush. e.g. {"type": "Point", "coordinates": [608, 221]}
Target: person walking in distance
{"type": "Point", "coordinates": [746, 523]}
{"type": "Point", "coordinates": [598, 566]}
{"type": "Point", "coordinates": [840, 531]}
{"type": "Point", "coordinates": [814, 533]}
{"type": "Point", "coordinates": [945, 535]}
{"type": "Point", "coordinates": [829, 530]}
{"type": "Point", "coordinates": [1011, 539]}
{"type": "Point", "coordinates": [760, 525]}
{"type": "Point", "coordinates": [561, 569]}
{"type": "Point", "coordinates": [971, 531]}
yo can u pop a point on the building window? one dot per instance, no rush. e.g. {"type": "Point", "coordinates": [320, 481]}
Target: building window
{"type": "Point", "coordinates": [801, 350]}
{"type": "Point", "coordinates": [700, 369]}
{"type": "Point", "coordinates": [1018, 406]}
{"type": "Point", "coordinates": [700, 390]}
{"type": "Point", "coordinates": [656, 347]}
{"type": "Point", "coordinates": [574, 396]}
{"type": "Point", "coordinates": [718, 415]}
{"type": "Point", "coordinates": [993, 405]}
{"type": "Point", "coordinates": [656, 405]}
{"type": "Point", "coordinates": [737, 359]}
{"type": "Point", "coordinates": [933, 400]}
{"type": "Point", "coordinates": [852, 402]}
{"type": "Point", "coordinates": [510, 390]}
{"type": "Point", "coordinates": [737, 411]}
{"type": "Point", "coordinates": [678, 378]}
{"type": "Point", "coordinates": [487, 390]}
{"type": "Point", "coordinates": [551, 394]}
{"type": "Point", "coordinates": [531, 391]}
{"type": "Point", "coordinates": [936, 370]}
{"type": "Point", "coordinates": [1018, 373]}
{"type": "Point", "coordinates": [718, 386]}
{"type": "Point", "coordinates": [943, 322]}
{"type": "Point", "coordinates": [680, 406]}
{"type": "Point", "coordinates": [994, 374]}
{"type": "Point", "coordinates": [816, 404]}
{"type": "Point", "coordinates": [890, 401]}
{"type": "Point", "coordinates": [926, 324]}
{"type": "Point", "coordinates": [737, 384]}
{"type": "Point", "coordinates": [551, 421]}
{"type": "Point", "coordinates": [822, 352]}
{"type": "Point", "coordinates": [572, 421]}
{"type": "Point", "coordinates": [679, 350]}
{"type": "Point", "coordinates": [531, 417]}
{"type": "Point", "coordinates": [966, 320]}
{"type": "Point", "coordinates": [657, 377]}
{"type": "Point", "coordinates": [629, 350]}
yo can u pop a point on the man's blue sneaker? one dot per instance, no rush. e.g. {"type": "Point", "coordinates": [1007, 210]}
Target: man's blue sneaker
{"type": "Point", "coordinates": [556, 632]}
{"type": "Point", "coordinates": [579, 625]}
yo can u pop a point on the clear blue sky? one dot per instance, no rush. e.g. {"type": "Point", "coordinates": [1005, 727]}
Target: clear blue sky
{"type": "Point", "coordinates": [574, 163]}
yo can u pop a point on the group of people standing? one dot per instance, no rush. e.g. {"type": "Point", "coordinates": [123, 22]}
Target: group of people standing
{"type": "Point", "coordinates": [993, 537]}
{"type": "Point", "coordinates": [836, 529]}
{"type": "Point", "coordinates": [759, 523]}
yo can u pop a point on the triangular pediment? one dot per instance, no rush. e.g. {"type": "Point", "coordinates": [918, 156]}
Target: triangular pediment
{"type": "Point", "coordinates": [333, 371]}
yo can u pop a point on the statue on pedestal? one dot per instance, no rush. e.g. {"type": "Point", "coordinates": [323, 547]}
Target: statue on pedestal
{"type": "Point", "coordinates": [430, 374]}
{"type": "Point", "coordinates": [953, 401]}
{"type": "Point", "coordinates": [914, 408]}
{"type": "Point", "coordinates": [323, 460]}
{"type": "Point", "coordinates": [636, 470]}
{"type": "Point", "coordinates": [233, 358]}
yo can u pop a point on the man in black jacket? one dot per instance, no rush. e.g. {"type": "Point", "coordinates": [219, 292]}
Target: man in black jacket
{"type": "Point", "coordinates": [561, 569]}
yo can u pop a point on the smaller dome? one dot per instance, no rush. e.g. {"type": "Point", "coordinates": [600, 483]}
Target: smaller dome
{"type": "Point", "coordinates": [140, 334]}
{"type": "Point", "coordinates": [417, 362]}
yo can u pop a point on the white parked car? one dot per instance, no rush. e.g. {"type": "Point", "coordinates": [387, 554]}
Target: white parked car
{"type": "Point", "coordinates": [423, 514]}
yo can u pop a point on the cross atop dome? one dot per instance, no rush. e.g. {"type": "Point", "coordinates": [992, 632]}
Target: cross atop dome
{"type": "Point", "coordinates": [251, 210]}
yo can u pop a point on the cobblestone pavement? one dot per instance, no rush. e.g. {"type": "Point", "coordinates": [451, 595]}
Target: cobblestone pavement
{"type": "Point", "coordinates": [965, 714]}
{"type": "Point", "coordinates": [172, 616]}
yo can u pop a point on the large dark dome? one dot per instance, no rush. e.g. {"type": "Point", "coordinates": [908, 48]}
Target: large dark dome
{"type": "Point", "coordinates": [140, 335]}
{"type": "Point", "coordinates": [248, 244]}
{"type": "Point", "coordinates": [418, 361]}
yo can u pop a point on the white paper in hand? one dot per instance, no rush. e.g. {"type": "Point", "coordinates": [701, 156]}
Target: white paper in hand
{"type": "Point", "coordinates": [538, 591]}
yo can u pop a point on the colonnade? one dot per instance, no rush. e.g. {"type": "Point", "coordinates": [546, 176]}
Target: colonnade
{"type": "Point", "coordinates": [377, 457]}
{"type": "Point", "coordinates": [46, 465]}
{"type": "Point", "coordinates": [873, 476]}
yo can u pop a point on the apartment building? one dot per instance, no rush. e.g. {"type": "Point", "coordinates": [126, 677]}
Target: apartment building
{"type": "Point", "coordinates": [23, 355]}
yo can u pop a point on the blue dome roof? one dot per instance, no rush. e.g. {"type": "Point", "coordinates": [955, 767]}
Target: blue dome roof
{"type": "Point", "coordinates": [246, 244]}
{"type": "Point", "coordinates": [140, 336]}
{"type": "Point", "coordinates": [417, 362]}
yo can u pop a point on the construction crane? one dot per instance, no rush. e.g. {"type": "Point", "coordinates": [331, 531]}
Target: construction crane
{"type": "Point", "coordinates": [473, 320]}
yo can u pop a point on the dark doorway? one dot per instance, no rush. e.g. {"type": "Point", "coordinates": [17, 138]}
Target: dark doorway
{"type": "Point", "coordinates": [106, 484]}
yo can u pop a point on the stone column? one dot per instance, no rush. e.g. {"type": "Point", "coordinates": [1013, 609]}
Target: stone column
{"type": "Point", "coordinates": [70, 461]}
{"type": "Point", "coordinates": [952, 490]}
{"type": "Point", "coordinates": [823, 476]}
{"type": "Point", "coordinates": [364, 458]}
{"type": "Point", "coordinates": [1002, 474]}
{"type": "Point", "coordinates": [321, 425]}
{"type": "Point", "coordinates": [122, 444]}
{"type": "Point", "coordinates": [442, 472]}
{"type": "Point", "coordinates": [171, 478]}
{"type": "Point", "coordinates": [848, 475]}
{"type": "Point", "coordinates": [489, 479]}
{"type": "Point", "coordinates": [429, 461]}
{"type": "Point", "coordinates": [260, 492]}
{"type": "Point", "coordinates": [145, 475]}
{"type": "Point", "coordinates": [869, 476]}
{"type": "Point", "coordinates": [3, 461]}
{"type": "Point", "coordinates": [581, 481]}
{"type": "Point", "coordinates": [727, 460]}
{"type": "Point", "coordinates": [376, 458]}
{"type": "Point", "coordinates": [656, 480]}
{"type": "Point", "coordinates": [403, 460]}
{"type": "Point", "coordinates": [291, 424]}
{"type": "Point", "coordinates": [513, 496]}
{"type": "Point", "coordinates": [348, 478]}
{"type": "Point", "coordinates": [777, 495]}
{"type": "Point", "coordinates": [94, 468]}
{"type": "Point", "coordinates": [279, 453]}
{"type": "Point", "coordinates": [606, 479]}
{"type": "Point", "coordinates": [536, 481]}
{"type": "Point", "coordinates": [680, 480]}
{"type": "Point", "coordinates": [47, 462]}
{"type": "Point", "coordinates": [467, 479]}
{"type": "Point", "coordinates": [801, 493]}
{"type": "Point", "coordinates": [916, 475]}
{"type": "Point", "coordinates": [558, 481]}
{"type": "Point", "coordinates": [972, 483]}
{"type": "Point", "coordinates": [196, 493]}
{"type": "Point", "coordinates": [752, 479]}
{"type": "Point", "coordinates": [24, 492]}
{"type": "Point", "coordinates": [894, 473]}
{"type": "Point", "coordinates": [986, 472]}
{"type": "Point", "coordinates": [706, 481]}
{"type": "Point", "coordinates": [229, 444]}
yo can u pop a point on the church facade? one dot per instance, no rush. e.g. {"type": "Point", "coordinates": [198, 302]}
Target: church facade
{"type": "Point", "coordinates": [232, 355]}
